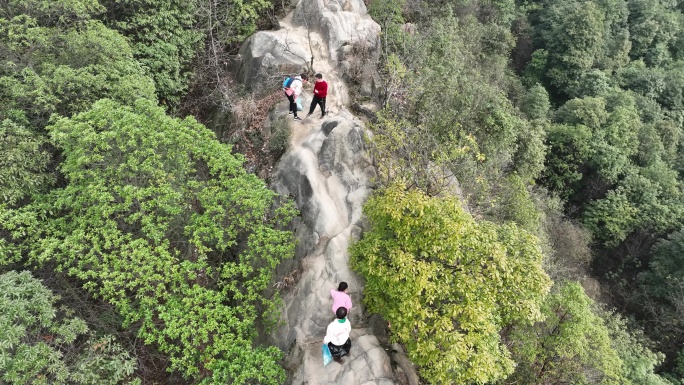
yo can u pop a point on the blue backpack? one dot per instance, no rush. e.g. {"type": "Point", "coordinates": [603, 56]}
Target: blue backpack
{"type": "Point", "coordinates": [287, 82]}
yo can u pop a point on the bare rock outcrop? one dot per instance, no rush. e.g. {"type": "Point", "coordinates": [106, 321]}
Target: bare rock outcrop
{"type": "Point", "coordinates": [328, 172]}
{"type": "Point", "coordinates": [319, 35]}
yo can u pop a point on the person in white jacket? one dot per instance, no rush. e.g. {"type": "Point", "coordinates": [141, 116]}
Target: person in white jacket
{"type": "Point", "coordinates": [337, 335]}
{"type": "Point", "coordinates": [294, 91]}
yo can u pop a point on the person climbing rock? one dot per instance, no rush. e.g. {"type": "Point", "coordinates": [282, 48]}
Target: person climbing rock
{"type": "Point", "coordinates": [293, 92]}
{"type": "Point", "coordinates": [340, 297]}
{"type": "Point", "coordinates": [337, 335]}
{"type": "Point", "coordinates": [320, 92]}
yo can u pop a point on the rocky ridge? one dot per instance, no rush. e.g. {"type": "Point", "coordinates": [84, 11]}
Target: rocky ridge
{"type": "Point", "coordinates": [328, 172]}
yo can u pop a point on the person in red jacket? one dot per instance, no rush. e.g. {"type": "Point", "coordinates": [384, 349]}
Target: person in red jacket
{"type": "Point", "coordinates": [319, 93]}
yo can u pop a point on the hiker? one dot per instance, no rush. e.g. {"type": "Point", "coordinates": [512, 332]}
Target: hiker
{"type": "Point", "coordinates": [337, 335]}
{"type": "Point", "coordinates": [320, 92]}
{"type": "Point", "coordinates": [293, 91]}
{"type": "Point", "coordinates": [340, 297]}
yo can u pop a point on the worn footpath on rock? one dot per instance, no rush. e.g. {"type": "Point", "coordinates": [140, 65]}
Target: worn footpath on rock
{"type": "Point", "coordinates": [328, 172]}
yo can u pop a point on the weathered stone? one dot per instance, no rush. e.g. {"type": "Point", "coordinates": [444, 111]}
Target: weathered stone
{"type": "Point", "coordinates": [351, 25]}
{"type": "Point", "coordinates": [267, 53]}
{"type": "Point", "coordinates": [329, 173]}
{"type": "Point", "coordinates": [328, 126]}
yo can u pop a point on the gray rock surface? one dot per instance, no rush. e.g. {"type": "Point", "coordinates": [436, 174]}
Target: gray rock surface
{"type": "Point", "coordinates": [342, 23]}
{"type": "Point", "coordinates": [317, 36]}
{"type": "Point", "coordinates": [329, 173]}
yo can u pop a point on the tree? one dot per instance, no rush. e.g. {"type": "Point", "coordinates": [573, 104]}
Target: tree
{"type": "Point", "coordinates": [663, 285]}
{"type": "Point", "coordinates": [64, 70]}
{"type": "Point", "coordinates": [646, 199]}
{"type": "Point", "coordinates": [447, 284]}
{"type": "Point", "coordinates": [415, 156]}
{"type": "Point", "coordinates": [163, 40]}
{"type": "Point", "coordinates": [638, 360]}
{"type": "Point", "coordinates": [52, 13]}
{"type": "Point", "coordinates": [573, 36]}
{"type": "Point", "coordinates": [584, 41]}
{"type": "Point", "coordinates": [653, 27]}
{"type": "Point", "coordinates": [162, 221]}
{"type": "Point", "coordinates": [536, 103]}
{"type": "Point", "coordinates": [514, 203]}
{"type": "Point", "coordinates": [569, 147]}
{"type": "Point", "coordinates": [594, 147]}
{"type": "Point", "coordinates": [576, 345]}
{"type": "Point", "coordinates": [24, 165]}
{"type": "Point", "coordinates": [41, 343]}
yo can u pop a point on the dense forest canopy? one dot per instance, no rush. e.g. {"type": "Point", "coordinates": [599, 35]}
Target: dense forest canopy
{"type": "Point", "coordinates": [535, 146]}
{"type": "Point", "coordinates": [565, 118]}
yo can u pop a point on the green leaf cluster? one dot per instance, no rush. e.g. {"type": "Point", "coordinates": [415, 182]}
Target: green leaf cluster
{"type": "Point", "coordinates": [24, 163]}
{"type": "Point", "coordinates": [162, 221]}
{"type": "Point", "coordinates": [578, 343]}
{"type": "Point", "coordinates": [448, 284]}
{"type": "Point", "coordinates": [63, 69]}
{"type": "Point", "coordinates": [42, 344]}
{"type": "Point", "coordinates": [162, 38]}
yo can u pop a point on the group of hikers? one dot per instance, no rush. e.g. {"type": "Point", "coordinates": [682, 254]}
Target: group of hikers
{"type": "Point", "coordinates": [293, 89]}
{"type": "Point", "coordinates": [337, 334]}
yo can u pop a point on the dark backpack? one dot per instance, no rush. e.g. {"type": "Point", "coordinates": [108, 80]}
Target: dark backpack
{"type": "Point", "coordinates": [288, 82]}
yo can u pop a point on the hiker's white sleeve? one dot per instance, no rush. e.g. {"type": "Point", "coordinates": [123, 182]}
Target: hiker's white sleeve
{"type": "Point", "coordinates": [297, 87]}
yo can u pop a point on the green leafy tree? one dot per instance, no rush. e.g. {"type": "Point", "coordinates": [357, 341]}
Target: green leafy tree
{"type": "Point", "coordinates": [447, 284]}
{"type": "Point", "coordinates": [531, 151]}
{"type": "Point", "coordinates": [161, 220]}
{"type": "Point", "coordinates": [461, 100]}
{"type": "Point", "coordinates": [514, 203]}
{"type": "Point", "coordinates": [646, 199]}
{"type": "Point", "coordinates": [571, 345]}
{"type": "Point", "coordinates": [584, 40]}
{"type": "Point", "coordinates": [64, 70]}
{"type": "Point", "coordinates": [536, 104]}
{"type": "Point", "coordinates": [42, 344]}
{"type": "Point", "coordinates": [163, 40]}
{"type": "Point", "coordinates": [672, 97]}
{"type": "Point", "coordinates": [677, 376]}
{"type": "Point", "coordinates": [574, 39]}
{"type": "Point", "coordinates": [647, 81]}
{"type": "Point", "coordinates": [638, 360]}
{"type": "Point", "coordinates": [594, 147]}
{"type": "Point", "coordinates": [612, 218]}
{"type": "Point", "coordinates": [412, 154]}
{"type": "Point", "coordinates": [389, 14]}
{"type": "Point", "coordinates": [24, 163]}
{"type": "Point", "coordinates": [653, 28]}
{"type": "Point", "coordinates": [662, 285]}
{"type": "Point", "coordinates": [52, 12]}
{"type": "Point", "coordinates": [569, 147]}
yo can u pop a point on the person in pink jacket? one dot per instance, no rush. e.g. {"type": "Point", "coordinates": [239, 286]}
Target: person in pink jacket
{"type": "Point", "coordinates": [340, 297]}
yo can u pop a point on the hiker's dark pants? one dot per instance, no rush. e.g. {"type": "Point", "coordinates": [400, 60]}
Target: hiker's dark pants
{"type": "Point", "coordinates": [340, 351]}
{"type": "Point", "coordinates": [317, 100]}
{"type": "Point", "coordinates": [293, 103]}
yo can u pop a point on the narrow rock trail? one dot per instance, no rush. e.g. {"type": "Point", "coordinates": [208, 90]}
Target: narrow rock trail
{"type": "Point", "coordinates": [328, 172]}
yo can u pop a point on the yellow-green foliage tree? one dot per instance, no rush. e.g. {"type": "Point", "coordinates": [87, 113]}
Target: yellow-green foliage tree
{"type": "Point", "coordinates": [577, 343]}
{"type": "Point", "coordinates": [570, 346]}
{"type": "Point", "coordinates": [448, 284]}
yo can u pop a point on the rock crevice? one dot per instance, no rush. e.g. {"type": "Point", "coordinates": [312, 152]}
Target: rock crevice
{"type": "Point", "coordinates": [328, 171]}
